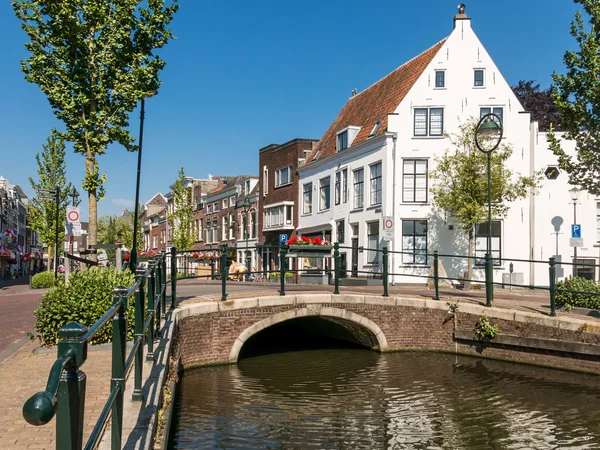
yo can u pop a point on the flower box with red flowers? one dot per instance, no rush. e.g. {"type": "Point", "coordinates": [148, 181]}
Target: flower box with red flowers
{"type": "Point", "coordinates": [203, 257]}
{"type": "Point", "coordinates": [309, 248]}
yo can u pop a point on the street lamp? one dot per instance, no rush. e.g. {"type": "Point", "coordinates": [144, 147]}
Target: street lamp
{"type": "Point", "coordinates": [575, 197]}
{"type": "Point", "coordinates": [133, 257]}
{"type": "Point", "coordinates": [247, 208]}
{"type": "Point", "coordinates": [73, 194]}
{"type": "Point", "coordinates": [488, 135]}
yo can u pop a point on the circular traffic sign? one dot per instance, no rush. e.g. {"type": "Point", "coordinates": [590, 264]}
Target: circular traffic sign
{"type": "Point", "coordinates": [73, 216]}
{"type": "Point", "coordinates": [389, 224]}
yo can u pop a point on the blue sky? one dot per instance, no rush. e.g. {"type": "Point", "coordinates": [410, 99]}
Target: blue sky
{"type": "Point", "coordinates": [242, 75]}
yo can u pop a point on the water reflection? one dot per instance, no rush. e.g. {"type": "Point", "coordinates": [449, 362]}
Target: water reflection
{"type": "Point", "coordinates": [355, 399]}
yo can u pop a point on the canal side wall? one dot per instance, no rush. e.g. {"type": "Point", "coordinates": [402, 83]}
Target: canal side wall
{"type": "Point", "coordinates": [214, 333]}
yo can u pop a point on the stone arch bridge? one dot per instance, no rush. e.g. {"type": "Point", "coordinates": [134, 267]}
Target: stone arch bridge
{"type": "Point", "coordinates": [216, 332]}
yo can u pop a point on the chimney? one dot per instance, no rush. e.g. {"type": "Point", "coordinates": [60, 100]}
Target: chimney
{"type": "Point", "coordinates": [461, 14]}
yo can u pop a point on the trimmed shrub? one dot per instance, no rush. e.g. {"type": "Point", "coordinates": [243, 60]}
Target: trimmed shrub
{"type": "Point", "coordinates": [44, 280]}
{"type": "Point", "coordinates": [587, 300]}
{"type": "Point", "coordinates": [87, 298]}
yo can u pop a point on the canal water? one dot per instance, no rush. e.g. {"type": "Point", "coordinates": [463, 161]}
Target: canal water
{"type": "Point", "coordinates": [344, 398]}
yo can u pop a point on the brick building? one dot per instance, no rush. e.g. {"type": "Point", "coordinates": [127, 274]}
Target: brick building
{"type": "Point", "coordinates": [278, 193]}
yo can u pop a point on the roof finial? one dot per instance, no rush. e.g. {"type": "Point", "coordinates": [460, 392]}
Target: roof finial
{"type": "Point", "coordinates": [354, 92]}
{"type": "Point", "coordinates": [461, 8]}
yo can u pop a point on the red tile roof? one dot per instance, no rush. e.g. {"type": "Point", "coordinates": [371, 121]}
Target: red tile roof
{"type": "Point", "coordinates": [374, 104]}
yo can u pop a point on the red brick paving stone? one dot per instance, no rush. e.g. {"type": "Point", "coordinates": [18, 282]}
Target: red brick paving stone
{"type": "Point", "coordinates": [16, 316]}
{"type": "Point", "coordinates": [25, 373]}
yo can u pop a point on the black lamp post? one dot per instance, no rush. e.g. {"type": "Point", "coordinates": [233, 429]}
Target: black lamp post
{"type": "Point", "coordinates": [575, 197]}
{"type": "Point", "coordinates": [133, 257]}
{"type": "Point", "coordinates": [488, 135]}
{"type": "Point", "coordinates": [73, 194]}
{"type": "Point", "coordinates": [247, 207]}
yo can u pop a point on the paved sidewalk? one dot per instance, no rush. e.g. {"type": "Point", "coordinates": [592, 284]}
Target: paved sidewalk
{"type": "Point", "coordinates": [24, 373]}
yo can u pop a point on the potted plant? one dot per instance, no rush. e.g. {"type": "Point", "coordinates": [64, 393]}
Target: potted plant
{"type": "Point", "coordinates": [309, 248]}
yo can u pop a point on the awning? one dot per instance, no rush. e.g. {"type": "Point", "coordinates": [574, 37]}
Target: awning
{"type": "Point", "coordinates": [315, 228]}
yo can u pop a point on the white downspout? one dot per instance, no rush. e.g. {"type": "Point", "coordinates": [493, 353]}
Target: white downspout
{"type": "Point", "coordinates": [532, 149]}
{"type": "Point", "coordinates": [394, 138]}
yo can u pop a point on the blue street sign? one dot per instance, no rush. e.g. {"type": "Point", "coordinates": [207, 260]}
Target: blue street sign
{"type": "Point", "coordinates": [575, 230]}
{"type": "Point", "coordinates": [283, 238]}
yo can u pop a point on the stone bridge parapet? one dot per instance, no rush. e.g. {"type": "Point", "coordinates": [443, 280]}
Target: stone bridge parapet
{"type": "Point", "coordinates": [214, 333]}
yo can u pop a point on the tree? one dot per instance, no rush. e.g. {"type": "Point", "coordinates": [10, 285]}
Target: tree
{"type": "Point", "coordinates": [115, 230]}
{"type": "Point", "coordinates": [52, 174]}
{"type": "Point", "coordinates": [577, 97]}
{"type": "Point", "coordinates": [181, 220]}
{"type": "Point", "coordinates": [95, 60]}
{"type": "Point", "coordinates": [460, 183]}
{"type": "Point", "coordinates": [539, 103]}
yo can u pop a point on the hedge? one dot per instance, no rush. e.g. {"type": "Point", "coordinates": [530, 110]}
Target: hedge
{"type": "Point", "coordinates": [586, 300]}
{"type": "Point", "coordinates": [85, 299]}
{"type": "Point", "coordinates": [44, 280]}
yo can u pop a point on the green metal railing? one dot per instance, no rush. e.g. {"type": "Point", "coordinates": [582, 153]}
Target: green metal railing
{"type": "Point", "coordinates": [182, 262]}
{"type": "Point", "coordinates": [65, 391]}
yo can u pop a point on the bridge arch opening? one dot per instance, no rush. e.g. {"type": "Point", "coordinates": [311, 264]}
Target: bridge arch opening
{"type": "Point", "coordinates": [308, 329]}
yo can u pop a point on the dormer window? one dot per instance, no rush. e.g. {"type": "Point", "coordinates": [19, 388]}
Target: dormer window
{"type": "Point", "coordinates": [375, 128]}
{"type": "Point", "coordinates": [342, 142]}
{"type": "Point", "coordinates": [345, 137]}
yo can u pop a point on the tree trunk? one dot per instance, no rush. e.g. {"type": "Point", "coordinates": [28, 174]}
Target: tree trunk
{"type": "Point", "coordinates": [90, 162]}
{"type": "Point", "coordinates": [470, 262]}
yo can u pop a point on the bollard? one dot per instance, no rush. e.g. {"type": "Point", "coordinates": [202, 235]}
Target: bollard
{"type": "Point", "coordinates": [151, 313]}
{"type": "Point", "coordinates": [71, 388]}
{"type": "Point", "coordinates": [385, 271]}
{"type": "Point", "coordinates": [173, 276]}
{"type": "Point", "coordinates": [489, 280]}
{"type": "Point", "coordinates": [139, 335]}
{"type": "Point", "coordinates": [224, 273]}
{"type": "Point", "coordinates": [552, 271]}
{"type": "Point", "coordinates": [336, 270]}
{"type": "Point", "coordinates": [436, 275]}
{"type": "Point", "coordinates": [282, 267]}
{"type": "Point", "coordinates": [117, 380]}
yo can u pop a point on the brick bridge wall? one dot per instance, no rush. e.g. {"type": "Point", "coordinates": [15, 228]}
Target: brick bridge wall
{"type": "Point", "coordinates": [214, 333]}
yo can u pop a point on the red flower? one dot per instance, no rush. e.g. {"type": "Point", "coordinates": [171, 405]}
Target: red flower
{"type": "Point", "coordinates": [292, 240]}
{"type": "Point", "coordinates": [317, 241]}
{"type": "Point", "coordinates": [306, 239]}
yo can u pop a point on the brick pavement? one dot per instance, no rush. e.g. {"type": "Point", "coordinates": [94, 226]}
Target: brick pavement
{"type": "Point", "coordinates": [25, 373]}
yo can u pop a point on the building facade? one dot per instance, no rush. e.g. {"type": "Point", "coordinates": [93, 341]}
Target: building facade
{"type": "Point", "coordinates": [372, 167]}
{"type": "Point", "coordinates": [278, 193]}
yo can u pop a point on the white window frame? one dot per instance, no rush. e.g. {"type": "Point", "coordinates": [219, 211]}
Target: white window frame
{"type": "Point", "coordinates": [307, 206]}
{"type": "Point", "coordinates": [278, 176]}
{"type": "Point", "coordinates": [435, 86]}
{"type": "Point", "coordinates": [322, 204]}
{"type": "Point", "coordinates": [265, 180]}
{"type": "Point", "coordinates": [355, 195]}
{"type": "Point", "coordinates": [341, 139]}
{"type": "Point", "coordinates": [372, 189]}
{"type": "Point", "coordinates": [373, 256]}
{"type": "Point", "coordinates": [428, 110]}
{"type": "Point", "coordinates": [232, 201]}
{"type": "Point", "coordinates": [414, 176]}
{"type": "Point", "coordinates": [476, 69]}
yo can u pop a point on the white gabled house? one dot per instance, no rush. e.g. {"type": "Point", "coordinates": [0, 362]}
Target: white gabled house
{"type": "Point", "coordinates": [373, 162]}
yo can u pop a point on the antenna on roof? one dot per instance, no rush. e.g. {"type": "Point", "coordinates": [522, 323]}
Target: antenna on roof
{"type": "Point", "coordinates": [354, 92]}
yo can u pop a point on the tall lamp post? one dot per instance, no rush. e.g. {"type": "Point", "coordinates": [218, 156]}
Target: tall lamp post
{"type": "Point", "coordinates": [247, 208]}
{"type": "Point", "coordinates": [488, 135]}
{"type": "Point", "coordinates": [575, 197]}
{"type": "Point", "coordinates": [133, 257]}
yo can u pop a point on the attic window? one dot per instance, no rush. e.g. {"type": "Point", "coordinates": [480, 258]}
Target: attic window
{"type": "Point", "coordinates": [346, 136]}
{"type": "Point", "coordinates": [375, 128]}
{"type": "Point", "coordinates": [342, 142]}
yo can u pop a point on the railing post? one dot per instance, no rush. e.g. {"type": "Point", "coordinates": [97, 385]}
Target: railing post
{"type": "Point", "coordinates": [140, 318]}
{"type": "Point", "coordinates": [163, 257]}
{"type": "Point", "coordinates": [282, 267]}
{"type": "Point", "coordinates": [173, 276]}
{"type": "Point", "coordinates": [552, 271]}
{"type": "Point", "coordinates": [157, 302]}
{"type": "Point", "coordinates": [436, 274]}
{"type": "Point", "coordinates": [119, 340]}
{"type": "Point", "coordinates": [336, 270]}
{"type": "Point", "coordinates": [489, 279]}
{"type": "Point", "coordinates": [212, 269]}
{"type": "Point", "coordinates": [159, 284]}
{"type": "Point", "coordinates": [224, 273]}
{"type": "Point", "coordinates": [151, 313]}
{"type": "Point", "coordinates": [385, 272]}
{"type": "Point", "coordinates": [71, 388]}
